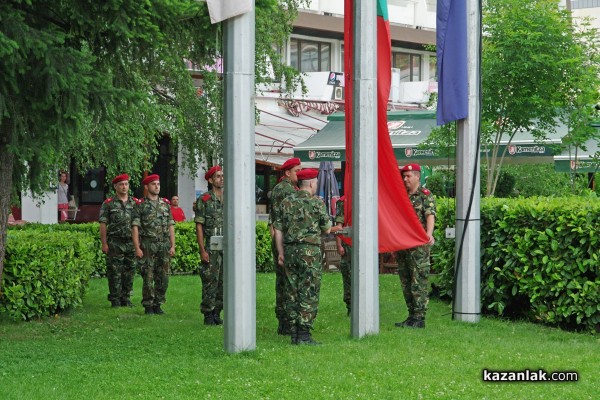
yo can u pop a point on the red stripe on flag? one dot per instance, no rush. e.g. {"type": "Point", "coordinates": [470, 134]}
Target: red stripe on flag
{"type": "Point", "coordinates": [399, 227]}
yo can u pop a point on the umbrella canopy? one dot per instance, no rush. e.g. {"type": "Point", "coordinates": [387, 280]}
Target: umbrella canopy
{"type": "Point", "coordinates": [327, 186]}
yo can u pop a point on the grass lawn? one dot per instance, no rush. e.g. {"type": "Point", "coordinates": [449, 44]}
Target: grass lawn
{"type": "Point", "coordinates": [97, 352]}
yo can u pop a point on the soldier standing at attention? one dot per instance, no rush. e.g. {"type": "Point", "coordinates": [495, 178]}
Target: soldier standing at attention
{"type": "Point", "coordinates": [344, 251]}
{"type": "Point", "coordinates": [288, 185]}
{"type": "Point", "coordinates": [414, 264]}
{"type": "Point", "coordinates": [298, 230]}
{"type": "Point", "coordinates": [209, 222]}
{"type": "Point", "coordinates": [154, 241]}
{"type": "Point", "coordinates": [115, 236]}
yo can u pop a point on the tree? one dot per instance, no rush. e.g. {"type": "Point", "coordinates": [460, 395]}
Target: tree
{"type": "Point", "coordinates": [536, 69]}
{"type": "Point", "coordinates": [98, 83]}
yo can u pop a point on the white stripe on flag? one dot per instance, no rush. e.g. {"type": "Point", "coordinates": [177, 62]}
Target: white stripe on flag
{"type": "Point", "coordinates": [220, 10]}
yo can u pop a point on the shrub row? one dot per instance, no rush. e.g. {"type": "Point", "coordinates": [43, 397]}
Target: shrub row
{"type": "Point", "coordinates": [47, 266]}
{"type": "Point", "coordinates": [44, 273]}
{"type": "Point", "coordinates": [540, 259]}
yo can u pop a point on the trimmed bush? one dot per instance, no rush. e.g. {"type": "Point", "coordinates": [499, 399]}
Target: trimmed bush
{"type": "Point", "coordinates": [44, 273]}
{"type": "Point", "coordinates": [540, 259]}
{"type": "Point", "coordinates": [264, 255]}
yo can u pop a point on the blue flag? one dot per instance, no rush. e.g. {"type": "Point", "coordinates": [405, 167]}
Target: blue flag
{"type": "Point", "coordinates": [451, 41]}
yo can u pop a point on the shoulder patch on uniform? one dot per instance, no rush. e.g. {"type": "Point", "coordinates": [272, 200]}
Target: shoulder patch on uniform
{"type": "Point", "coordinates": [206, 197]}
{"type": "Point", "coordinates": [108, 200]}
{"type": "Point", "coordinates": [166, 200]}
{"type": "Point", "coordinates": [426, 191]}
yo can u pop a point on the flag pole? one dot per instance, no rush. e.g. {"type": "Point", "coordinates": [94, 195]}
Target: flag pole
{"type": "Point", "coordinates": [467, 307]}
{"type": "Point", "coordinates": [240, 227]}
{"type": "Point", "coordinates": [365, 278]}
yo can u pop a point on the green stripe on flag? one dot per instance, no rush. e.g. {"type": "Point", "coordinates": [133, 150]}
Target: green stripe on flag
{"type": "Point", "coordinates": [382, 9]}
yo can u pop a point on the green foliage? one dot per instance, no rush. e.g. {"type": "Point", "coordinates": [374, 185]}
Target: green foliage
{"type": "Point", "coordinates": [187, 255]}
{"type": "Point", "coordinates": [540, 259]}
{"type": "Point", "coordinates": [45, 273]}
{"type": "Point", "coordinates": [264, 254]}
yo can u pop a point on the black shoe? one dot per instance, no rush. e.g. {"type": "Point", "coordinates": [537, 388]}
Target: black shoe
{"type": "Point", "coordinates": [209, 319]}
{"type": "Point", "coordinates": [284, 329]}
{"type": "Point", "coordinates": [126, 303]}
{"type": "Point", "coordinates": [217, 317]}
{"type": "Point", "coordinates": [404, 323]}
{"type": "Point", "coordinates": [304, 337]}
{"type": "Point", "coordinates": [158, 310]}
{"type": "Point", "coordinates": [115, 304]}
{"type": "Point", "coordinates": [416, 323]}
{"type": "Point", "coordinates": [149, 310]}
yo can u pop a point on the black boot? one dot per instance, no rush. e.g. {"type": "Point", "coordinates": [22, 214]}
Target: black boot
{"type": "Point", "coordinates": [304, 337]}
{"type": "Point", "coordinates": [217, 317]}
{"type": "Point", "coordinates": [158, 310]}
{"type": "Point", "coordinates": [417, 322]}
{"type": "Point", "coordinates": [284, 328]}
{"type": "Point", "coordinates": [148, 310]}
{"type": "Point", "coordinates": [126, 303]}
{"type": "Point", "coordinates": [404, 323]}
{"type": "Point", "coordinates": [209, 319]}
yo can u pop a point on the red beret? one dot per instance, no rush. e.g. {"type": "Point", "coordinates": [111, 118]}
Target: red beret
{"type": "Point", "coordinates": [411, 167]}
{"type": "Point", "coordinates": [120, 178]}
{"type": "Point", "coordinates": [211, 172]}
{"type": "Point", "coordinates": [291, 163]}
{"type": "Point", "coordinates": [150, 178]}
{"type": "Point", "coordinates": [307, 173]}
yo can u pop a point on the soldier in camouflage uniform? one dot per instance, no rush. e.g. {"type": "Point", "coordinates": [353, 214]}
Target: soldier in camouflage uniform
{"type": "Point", "coordinates": [115, 235]}
{"type": "Point", "coordinates": [414, 264]}
{"type": "Point", "coordinates": [344, 250]}
{"type": "Point", "coordinates": [209, 222]}
{"type": "Point", "coordinates": [286, 187]}
{"type": "Point", "coordinates": [298, 230]}
{"type": "Point", "coordinates": [154, 241]}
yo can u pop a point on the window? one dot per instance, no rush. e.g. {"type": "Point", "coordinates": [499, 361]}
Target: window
{"type": "Point", "coordinates": [409, 65]}
{"type": "Point", "coordinates": [310, 56]}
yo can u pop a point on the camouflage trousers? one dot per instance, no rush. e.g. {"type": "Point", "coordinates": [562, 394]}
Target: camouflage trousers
{"type": "Point", "coordinates": [413, 268]}
{"type": "Point", "coordinates": [280, 286]}
{"type": "Point", "coordinates": [346, 270]}
{"type": "Point", "coordinates": [303, 269]}
{"type": "Point", "coordinates": [211, 274]}
{"type": "Point", "coordinates": [154, 266]}
{"type": "Point", "coordinates": [120, 269]}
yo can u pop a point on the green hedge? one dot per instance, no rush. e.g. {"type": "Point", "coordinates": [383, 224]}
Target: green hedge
{"type": "Point", "coordinates": [540, 259]}
{"type": "Point", "coordinates": [44, 273]}
{"type": "Point", "coordinates": [47, 266]}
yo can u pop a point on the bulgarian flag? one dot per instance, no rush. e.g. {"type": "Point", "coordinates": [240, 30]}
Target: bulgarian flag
{"type": "Point", "coordinates": [399, 227]}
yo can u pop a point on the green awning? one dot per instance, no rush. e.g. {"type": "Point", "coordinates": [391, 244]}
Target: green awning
{"type": "Point", "coordinates": [408, 129]}
{"type": "Point", "coordinates": [579, 160]}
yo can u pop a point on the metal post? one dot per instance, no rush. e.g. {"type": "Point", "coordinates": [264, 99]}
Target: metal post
{"type": "Point", "coordinates": [365, 278]}
{"type": "Point", "coordinates": [467, 305]}
{"type": "Point", "coordinates": [240, 220]}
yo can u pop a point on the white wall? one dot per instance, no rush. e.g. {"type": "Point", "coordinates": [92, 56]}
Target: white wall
{"type": "Point", "coordinates": [407, 12]}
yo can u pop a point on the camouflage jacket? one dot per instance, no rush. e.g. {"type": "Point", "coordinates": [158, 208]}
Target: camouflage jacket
{"type": "Point", "coordinates": [116, 214]}
{"type": "Point", "coordinates": [302, 219]}
{"type": "Point", "coordinates": [339, 212]}
{"type": "Point", "coordinates": [282, 190]}
{"type": "Point", "coordinates": [209, 213]}
{"type": "Point", "coordinates": [424, 204]}
{"type": "Point", "coordinates": [153, 217]}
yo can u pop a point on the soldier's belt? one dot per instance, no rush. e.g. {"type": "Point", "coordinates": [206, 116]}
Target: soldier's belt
{"type": "Point", "coordinates": [154, 239]}
{"type": "Point", "coordinates": [301, 244]}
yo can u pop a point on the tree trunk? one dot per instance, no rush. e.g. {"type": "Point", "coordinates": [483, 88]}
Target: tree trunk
{"type": "Point", "coordinates": [6, 171]}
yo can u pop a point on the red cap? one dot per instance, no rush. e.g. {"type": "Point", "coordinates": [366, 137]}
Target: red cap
{"type": "Point", "coordinates": [120, 178]}
{"type": "Point", "coordinates": [211, 172]}
{"type": "Point", "coordinates": [307, 173]}
{"type": "Point", "coordinates": [291, 163]}
{"type": "Point", "coordinates": [150, 178]}
{"type": "Point", "coordinates": [411, 167]}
